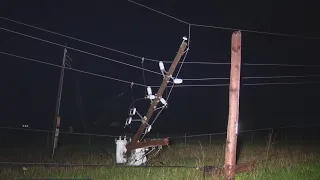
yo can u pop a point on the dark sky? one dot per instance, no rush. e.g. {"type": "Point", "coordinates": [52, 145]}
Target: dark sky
{"type": "Point", "coordinates": [29, 90]}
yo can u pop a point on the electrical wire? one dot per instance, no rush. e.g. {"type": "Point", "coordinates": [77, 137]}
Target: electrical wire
{"type": "Point", "coordinates": [279, 83]}
{"type": "Point", "coordinates": [73, 38]}
{"type": "Point", "coordinates": [97, 45]}
{"type": "Point", "coordinates": [141, 85]}
{"type": "Point", "coordinates": [248, 84]}
{"type": "Point", "coordinates": [72, 69]}
{"type": "Point", "coordinates": [256, 32]}
{"type": "Point", "coordinates": [144, 78]}
{"type": "Point", "coordinates": [78, 50]}
{"type": "Point", "coordinates": [225, 28]}
{"type": "Point", "coordinates": [276, 77]}
{"type": "Point", "coordinates": [131, 91]}
{"type": "Point", "coordinates": [80, 105]}
{"type": "Point", "coordinates": [132, 104]}
{"type": "Point", "coordinates": [289, 65]}
{"type": "Point", "coordinates": [147, 59]}
{"type": "Point", "coordinates": [159, 12]}
{"type": "Point", "coordinates": [252, 77]}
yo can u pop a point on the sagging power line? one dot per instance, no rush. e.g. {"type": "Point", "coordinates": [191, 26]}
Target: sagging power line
{"type": "Point", "coordinates": [141, 57]}
{"type": "Point", "coordinates": [253, 77]}
{"type": "Point", "coordinates": [78, 50]}
{"type": "Point", "coordinates": [224, 28]}
{"type": "Point", "coordinates": [142, 85]}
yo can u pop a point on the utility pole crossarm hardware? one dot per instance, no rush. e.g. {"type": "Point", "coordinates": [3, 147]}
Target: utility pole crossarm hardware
{"type": "Point", "coordinates": [162, 88]}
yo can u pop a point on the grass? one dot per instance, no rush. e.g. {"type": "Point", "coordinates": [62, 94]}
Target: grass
{"type": "Point", "coordinates": [284, 161]}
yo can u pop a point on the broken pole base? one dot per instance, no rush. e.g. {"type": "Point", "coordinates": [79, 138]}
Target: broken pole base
{"type": "Point", "coordinates": [219, 172]}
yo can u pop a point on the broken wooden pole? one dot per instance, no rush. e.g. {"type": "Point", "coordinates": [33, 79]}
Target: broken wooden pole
{"type": "Point", "coordinates": [234, 89]}
{"type": "Point", "coordinates": [152, 143]}
{"type": "Point", "coordinates": [162, 88]}
{"type": "Point", "coordinates": [58, 102]}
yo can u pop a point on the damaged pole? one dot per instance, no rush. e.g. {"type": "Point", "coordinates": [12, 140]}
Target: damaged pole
{"type": "Point", "coordinates": [56, 122]}
{"type": "Point", "coordinates": [162, 88]}
{"type": "Point", "coordinates": [234, 89]}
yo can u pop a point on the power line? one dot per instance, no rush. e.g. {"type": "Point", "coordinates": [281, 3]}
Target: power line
{"type": "Point", "coordinates": [297, 65]}
{"type": "Point", "coordinates": [252, 77]}
{"type": "Point", "coordinates": [247, 84]}
{"type": "Point", "coordinates": [128, 82]}
{"type": "Point", "coordinates": [207, 79]}
{"type": "Point", "coordinates": [164, 14]}
{"type": "Point", "coordinates": [279, 83]}
{"type": "Point", "coordinates": [140, 57]}
{"type": "Point", "coordinates": [85, 52]}
{"type": "Point", "coordinates": [76, 39]}
{"type": "Point", "coordinates": [255, 31]}
{"type": "Point", "coordinates": [72, 69]}
{"type": "Point", "coordinates": [276, 77]}
{"type": "Point", "coordinates": [97, 45]}
{"type": "Point", "coordinates": [224, 28]}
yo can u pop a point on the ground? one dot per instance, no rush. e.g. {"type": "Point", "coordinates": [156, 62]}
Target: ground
{"type": "Point", "coordinates": [282, 160]}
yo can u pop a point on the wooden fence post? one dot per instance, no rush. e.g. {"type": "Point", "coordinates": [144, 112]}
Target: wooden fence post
{"type": "Point", "coordinates": [252, 138]}
{"type": "Point", "coordinates": [185, 139]}
{"type": "Point", "coordinates": [89, 141]}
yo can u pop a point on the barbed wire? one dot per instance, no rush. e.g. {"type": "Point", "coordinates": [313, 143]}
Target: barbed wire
{"type": "Point", "coordinates": [173, 137]}
{"type": "Point", "coordinates": [61, 132]}
{"type": "Point", "coordinates": [95, 165]}
{"type": "Point", "coordinates": [243, 131]}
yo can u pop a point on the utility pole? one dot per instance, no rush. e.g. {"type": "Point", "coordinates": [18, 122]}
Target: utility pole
{"type": "Point", "coordinates": [155, 102]}
{"type": "Point", "coordinates": [56, 121]}
{"type": "Point", "coordinates": [231, 142]}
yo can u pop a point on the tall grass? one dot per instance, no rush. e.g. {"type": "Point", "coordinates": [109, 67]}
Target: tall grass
{"type": "Point", "coordinates": [283, 162]}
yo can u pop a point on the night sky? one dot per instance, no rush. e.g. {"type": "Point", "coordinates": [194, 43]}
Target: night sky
{"type": "Point", "coordinates": [29, 89]}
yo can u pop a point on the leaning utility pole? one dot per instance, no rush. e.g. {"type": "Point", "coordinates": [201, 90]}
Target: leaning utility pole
{"type": "Point", "coordinates": [56, 121]}
{"type": "Point", "coordinates": [231, 142]}
{"type": "Point", "coordinates": [155, 102]}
